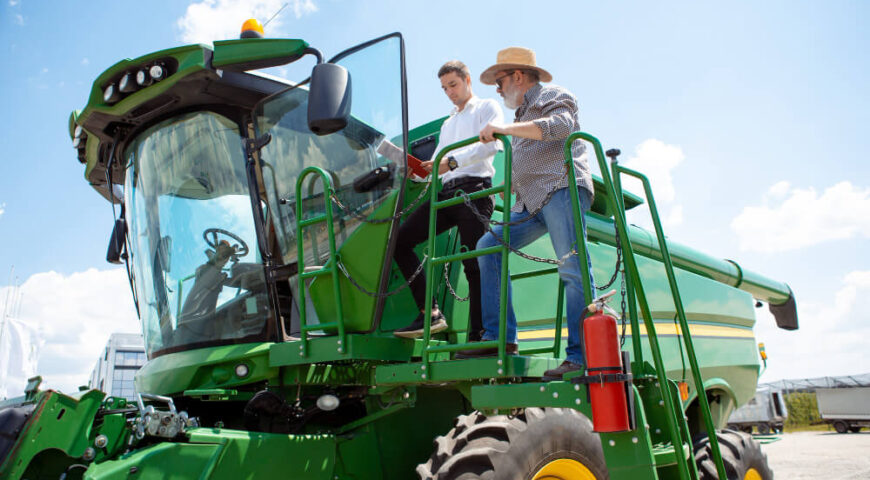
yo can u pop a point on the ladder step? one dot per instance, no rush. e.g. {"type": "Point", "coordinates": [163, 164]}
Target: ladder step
{"type": "Point", "coordinates": [663, 453]}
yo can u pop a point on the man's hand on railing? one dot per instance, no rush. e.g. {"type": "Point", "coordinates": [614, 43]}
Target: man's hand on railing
{"type": "Point", "coordinates": [522, 129]}
{"type": "Point", "coordinates": [488, 133]}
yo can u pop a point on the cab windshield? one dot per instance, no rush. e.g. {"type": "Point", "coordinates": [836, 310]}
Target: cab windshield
{"type": "Point", "coordinates": [198, 274]}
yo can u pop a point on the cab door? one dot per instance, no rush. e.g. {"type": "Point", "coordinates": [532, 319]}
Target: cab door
{"type": "Point", "coordinates": [378, 119]}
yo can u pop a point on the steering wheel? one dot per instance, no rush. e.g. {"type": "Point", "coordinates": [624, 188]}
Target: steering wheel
{"type": "Point", "coordinates": [212, 235]}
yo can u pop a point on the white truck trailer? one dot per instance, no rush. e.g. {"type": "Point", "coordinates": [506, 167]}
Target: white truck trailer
{"type": "Point", "coordinates": [766, 412]}
{"type": "Point", "coordinates": [847, 409]}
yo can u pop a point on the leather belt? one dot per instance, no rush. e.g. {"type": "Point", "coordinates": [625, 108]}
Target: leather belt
{"type": "Point", "coordinates": [456, 182]}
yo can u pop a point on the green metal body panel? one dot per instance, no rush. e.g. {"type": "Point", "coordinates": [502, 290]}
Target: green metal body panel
{"type": "Point", "coordinates": [58, 430]}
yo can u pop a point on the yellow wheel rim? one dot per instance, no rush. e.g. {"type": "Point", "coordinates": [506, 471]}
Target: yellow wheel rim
{"type": "Point", "coordinates": [752, 474]}
{"type": "Point", "coordinates": [565, 469]}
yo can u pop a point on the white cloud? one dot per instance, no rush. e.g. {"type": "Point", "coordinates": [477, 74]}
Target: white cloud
{"type": "Point", "coordinates": [2, 208]}
{"type": "Point", "coordinates": [13, 3]}
{"type": "Point", "coordinates": [76, 314]}
{"type": "Point", "coordinates": [790, 218]}
{"type": "Point", "coordinates": [657, 160]}
{"type": "Point", "coordinates": [210, 20]}
{"type": "Point", "coordinates": [19, 19]}
{"type": "Point", "coordinates": [831, 339]}
{"type": "Point", "coordinates": [85, 61]}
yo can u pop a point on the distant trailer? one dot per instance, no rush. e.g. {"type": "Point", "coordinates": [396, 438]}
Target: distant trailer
{"type": "Point", "coordinates": [766, 412]}
{"type": "Point", "coordinates": [847, 409]}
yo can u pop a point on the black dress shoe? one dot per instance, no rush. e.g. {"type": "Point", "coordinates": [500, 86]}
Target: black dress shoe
{"type": "Point", "coordinates": [560, 371]}
{"type": "Point", "coordinates": [510, 349]}
{"type": "Point", "coordinates": [415, 329]}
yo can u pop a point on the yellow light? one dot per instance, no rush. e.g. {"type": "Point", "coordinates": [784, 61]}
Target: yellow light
{"type": "Point", "coordinates": [252, 28]}
{"type": "Point", "coordinates": [761, 351]}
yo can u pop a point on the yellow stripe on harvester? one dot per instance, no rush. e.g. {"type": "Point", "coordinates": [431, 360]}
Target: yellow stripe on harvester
{"type": "Point", "coordinates": [662, 328]}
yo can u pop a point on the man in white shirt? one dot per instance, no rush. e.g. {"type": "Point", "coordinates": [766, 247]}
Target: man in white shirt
{"type": "Point", "coordinates": [469, 169]}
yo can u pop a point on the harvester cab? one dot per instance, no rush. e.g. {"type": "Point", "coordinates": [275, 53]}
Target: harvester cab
{"type": "Point", "coordinates": [257, 222]}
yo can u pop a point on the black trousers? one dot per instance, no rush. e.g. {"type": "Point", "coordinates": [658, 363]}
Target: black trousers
{"type": "Point", "coordinates": [415, 230]}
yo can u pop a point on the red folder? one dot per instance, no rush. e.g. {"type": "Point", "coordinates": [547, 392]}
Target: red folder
{"type": "Point", "coordinates": [416, 166]}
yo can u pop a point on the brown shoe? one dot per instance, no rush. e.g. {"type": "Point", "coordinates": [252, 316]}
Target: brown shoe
{"type": "Point", "coordinates": [559, 372]}
{"type": "Point", "coordinates": [510, 349]}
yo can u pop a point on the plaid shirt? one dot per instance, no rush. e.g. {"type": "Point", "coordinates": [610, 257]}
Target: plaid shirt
{"type": "Point", "coordinates": [539, 165]}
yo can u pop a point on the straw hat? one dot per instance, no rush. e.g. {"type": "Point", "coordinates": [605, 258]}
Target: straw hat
{"type": "Point", "coordinates": [513, 58]}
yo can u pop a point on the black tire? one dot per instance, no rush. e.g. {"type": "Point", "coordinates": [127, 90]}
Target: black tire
{"type": "Point", "coordinates": [514, 448]}
{"type": "Point", "coordinates": [854, 429]}
{"type": "Point", "coordinates": [746, 429]}
{"type": "Point", "coordinates": [763, 428]}
{"type": "Point", "coordinates": [740, 455]}
{"type": "Point", "coordinates": [841, 427]}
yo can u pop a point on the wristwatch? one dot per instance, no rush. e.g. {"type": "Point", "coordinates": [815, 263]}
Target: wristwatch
{"type": "Point", "coordinates": [452, 164]}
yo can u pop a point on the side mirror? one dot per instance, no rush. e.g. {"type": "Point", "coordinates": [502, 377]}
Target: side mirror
{"type": "Point", "coordinates": [329, 98]}
{"type": "Point", "coordinates": [117, 241]}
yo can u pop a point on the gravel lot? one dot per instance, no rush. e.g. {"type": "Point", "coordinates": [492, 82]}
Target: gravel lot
{"type": "Point", "coordinates": [820, 455]}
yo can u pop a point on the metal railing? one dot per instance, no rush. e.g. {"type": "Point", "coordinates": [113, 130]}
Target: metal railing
{"type": "Point", "coordinates": [433, 261]}
{"type": "Point", "coordinates": [331, 268]}
{"type": "Point", "coordinates": [679, 435]}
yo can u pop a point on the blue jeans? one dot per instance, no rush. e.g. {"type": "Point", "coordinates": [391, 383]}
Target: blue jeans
{"type": "Point", "coordinates": [555, 218]}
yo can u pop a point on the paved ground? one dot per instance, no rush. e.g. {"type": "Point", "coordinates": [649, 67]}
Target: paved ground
{"type": "Point", "coordinates": [820, 455]}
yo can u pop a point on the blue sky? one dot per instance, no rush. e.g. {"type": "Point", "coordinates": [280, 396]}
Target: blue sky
{"type": "Point", "coordinates": [751, 117]}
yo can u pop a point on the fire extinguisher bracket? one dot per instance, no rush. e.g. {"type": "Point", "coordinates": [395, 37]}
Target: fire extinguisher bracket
{"type": "Point", "coordinates": [602, 378]}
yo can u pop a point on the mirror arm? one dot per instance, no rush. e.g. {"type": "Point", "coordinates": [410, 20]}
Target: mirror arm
{"type": "Point", "coordinates": [313, 51]}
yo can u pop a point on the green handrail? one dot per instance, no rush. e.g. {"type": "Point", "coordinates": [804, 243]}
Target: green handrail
{"type": "Point", "coordinates": [637, 365]}
{"type": "Point", "coordinates": [678, 436]}
{"type": "Point", "coordinates": [328, 191]}
{"type": "Point", "coordinates": [681, 314]}
{"type": "Point", "coordinates": [434, 206]}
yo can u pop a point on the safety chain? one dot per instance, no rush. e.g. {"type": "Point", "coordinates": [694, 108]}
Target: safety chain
{"type": "Point", "coordinates": [616, 268]}
{"type": "Point", "coordinates": [387, 294]}
{"type": "Point", "coordinates": [488, 220]}
{"type": "Point", "coordinates": [622, 292]}
{"type": "Point", "coordinates": [453, 292]}
{"type": "Point", "coordinates": [397, 216]}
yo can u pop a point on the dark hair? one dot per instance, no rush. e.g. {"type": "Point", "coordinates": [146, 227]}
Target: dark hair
{"type": "Point", "coordinates": [454, 66]}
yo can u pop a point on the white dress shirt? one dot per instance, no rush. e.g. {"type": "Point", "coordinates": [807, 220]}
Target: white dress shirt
{"type": "Point", "coordinates": [474, 160]}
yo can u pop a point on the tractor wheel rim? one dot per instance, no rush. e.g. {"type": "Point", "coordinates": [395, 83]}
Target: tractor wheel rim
{"type": "Point", "coordinates": [565, 469]}
{"type": "Point", "coordinates": [752, 474]}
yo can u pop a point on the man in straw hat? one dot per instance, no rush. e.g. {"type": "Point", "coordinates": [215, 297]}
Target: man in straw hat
{"type": "Point", "coordinates": [545, 116]}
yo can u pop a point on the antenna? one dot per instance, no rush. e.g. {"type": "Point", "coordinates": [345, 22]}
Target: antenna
{"type": "Point", "coordinates": [276, 13]}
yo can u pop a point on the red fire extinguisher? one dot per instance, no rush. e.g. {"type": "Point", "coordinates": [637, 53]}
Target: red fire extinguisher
{"type": "Point", "coordinates": [605, 375]}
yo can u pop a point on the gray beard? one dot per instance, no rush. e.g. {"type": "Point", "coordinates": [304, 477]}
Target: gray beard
{"type": "Point", "coordinates": [510, 102]}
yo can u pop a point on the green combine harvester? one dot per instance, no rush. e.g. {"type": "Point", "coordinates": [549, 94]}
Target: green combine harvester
{"type": "Point", "coordinates": [257, 222]}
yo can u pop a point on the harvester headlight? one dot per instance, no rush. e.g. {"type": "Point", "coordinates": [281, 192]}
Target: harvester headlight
{"type": "Point", "coordinates": [127, 84]}
{"type": "Point", "coordinates": [242, 370]}
{"type": "Point", "coordinates": [157, 72]}
{"type": "Point", "coordinates": [143, 79]}
{"type": "Point", "coordinates": [111, 94]}
{"type": "Point", "coordinates": [327, 402]}
{"type": "Point", "coordinates": [79, 137]}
